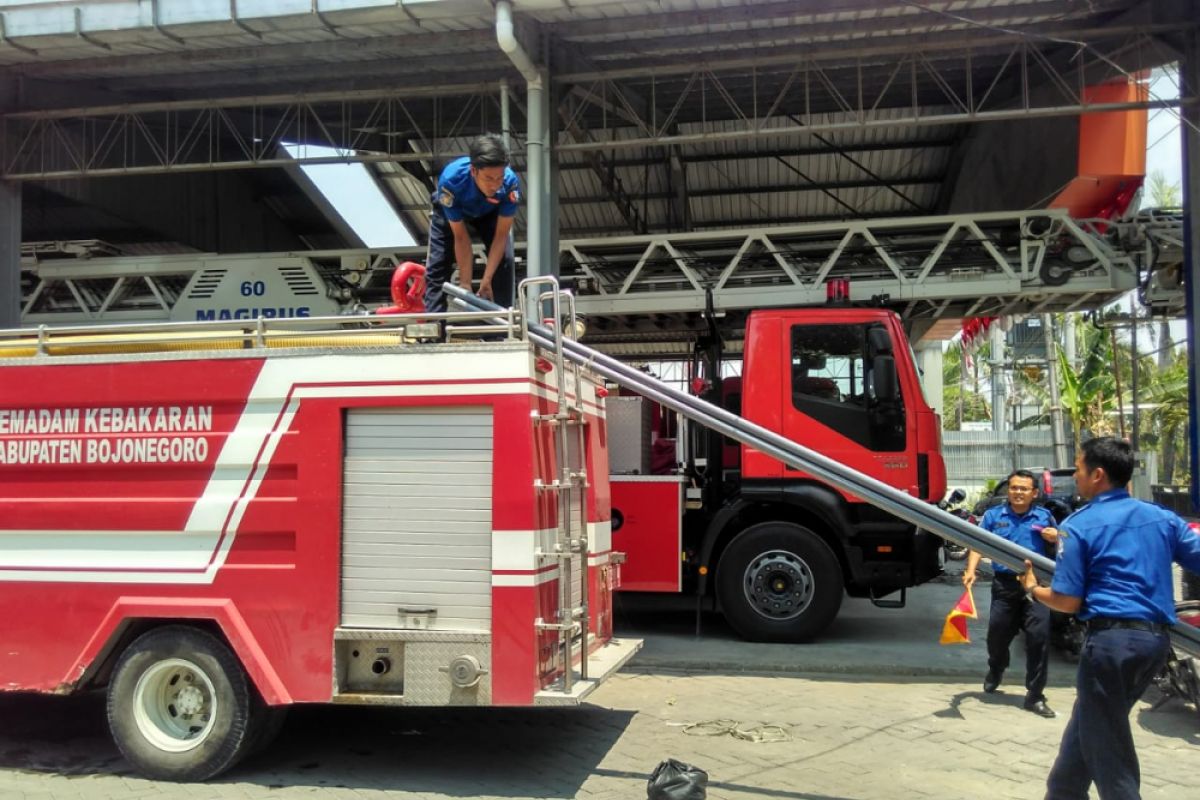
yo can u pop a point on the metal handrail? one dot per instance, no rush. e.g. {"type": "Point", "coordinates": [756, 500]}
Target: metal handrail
{"type": "Point", "coordinates": [256, 333]}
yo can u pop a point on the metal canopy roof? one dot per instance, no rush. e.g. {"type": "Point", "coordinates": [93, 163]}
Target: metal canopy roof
{"type": "Point", "coordinates": [672, 116]}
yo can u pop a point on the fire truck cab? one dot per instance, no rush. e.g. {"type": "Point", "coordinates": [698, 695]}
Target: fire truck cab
{"type": "Point", "coordinates": [776, 547]}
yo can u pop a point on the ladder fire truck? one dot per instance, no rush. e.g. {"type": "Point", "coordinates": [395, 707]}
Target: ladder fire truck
{"type": "Point", "coordinates": [217, 520]}
{"type": "Point", "coordinates": [774, 546]}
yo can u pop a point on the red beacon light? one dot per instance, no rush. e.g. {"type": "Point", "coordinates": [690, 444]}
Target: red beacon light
{"type": "Point", "coordinates": [837, 291]}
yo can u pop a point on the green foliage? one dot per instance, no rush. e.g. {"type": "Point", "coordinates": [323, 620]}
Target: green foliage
{"type": "Point", "coordinates": [1163, 194]}
{"type": "Point", "coordinates": [961, 398]}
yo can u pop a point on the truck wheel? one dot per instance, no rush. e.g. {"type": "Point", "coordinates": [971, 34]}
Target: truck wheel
{"type": "Point", "coordinates": [180, 705]}
{"type": "Point", "coordinates": [267, 723]}
{"type": "Point", "coordinates": [779, 582]}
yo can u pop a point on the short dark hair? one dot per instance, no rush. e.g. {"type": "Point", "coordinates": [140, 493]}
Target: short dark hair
{"type": "Point", "coordinates": [488, 150]}
{"type": "Point", "coordinates": [1113, 455]}
{"type": "Point", "coordinates": [1022, 473]}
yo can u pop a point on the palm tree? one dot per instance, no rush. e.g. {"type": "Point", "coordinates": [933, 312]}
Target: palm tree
{"type": "Point", "coordinates": [960, 402]}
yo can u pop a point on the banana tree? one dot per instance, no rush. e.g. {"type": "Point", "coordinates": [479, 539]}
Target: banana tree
{"type": "Point", "coordinates": [1088, 395]}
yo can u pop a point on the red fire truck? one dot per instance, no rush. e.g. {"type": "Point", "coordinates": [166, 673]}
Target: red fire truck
{"type": "Point", "coordinates": [776, 547]}
{"type": "Point", "coordinates": [218, 520]}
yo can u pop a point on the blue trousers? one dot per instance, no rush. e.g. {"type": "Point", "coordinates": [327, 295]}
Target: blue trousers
{"type": "Point", "coordinates": [1115, 668]}
{"type": "Point", "coordinates": [1012, 611]}
{"type": "Point", "coordinates": [440, 262]}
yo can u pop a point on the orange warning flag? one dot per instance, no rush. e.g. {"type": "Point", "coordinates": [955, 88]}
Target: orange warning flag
{"type": "Point", "coordinates": [955, 629]}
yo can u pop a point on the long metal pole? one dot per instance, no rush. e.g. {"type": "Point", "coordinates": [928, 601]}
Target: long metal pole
{"type": "Point", "coordinates": [505, 113]}
{"type": "Point", "coordinates": [1061, 457]}
{"type": "Point", "coordinates": [1134, 379]}
{"type": "Point", "coordinates": [1116, 366]}
{"type": "Point", "coordinates": [910, 509]}
{"type": "Point", "coordinates": [999, 419]}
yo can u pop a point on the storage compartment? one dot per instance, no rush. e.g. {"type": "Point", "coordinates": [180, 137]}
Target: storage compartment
{"type": "Point", "coordinates": [647, 526]}
{"type": "Point", "coordinates": [413, 668]}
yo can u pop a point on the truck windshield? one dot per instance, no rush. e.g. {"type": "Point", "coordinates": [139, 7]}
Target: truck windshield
{"type": "Point", "coordinates": [832, 383]}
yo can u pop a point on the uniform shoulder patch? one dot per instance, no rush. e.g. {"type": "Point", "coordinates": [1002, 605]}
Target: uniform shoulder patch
{"type": "Point", "coordinates": [446, 198]}
{"type": "Point", "coordinates": [514, 196]}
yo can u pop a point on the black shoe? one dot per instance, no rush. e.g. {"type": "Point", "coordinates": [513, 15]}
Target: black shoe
{"type": "Point", "coordinates": [991, 682]}
{"type": "Point", "coordinates": [1040, 708]}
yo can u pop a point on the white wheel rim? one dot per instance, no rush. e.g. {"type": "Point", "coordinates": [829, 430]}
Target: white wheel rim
{"type": "Point", "coordinates": [174, 705]}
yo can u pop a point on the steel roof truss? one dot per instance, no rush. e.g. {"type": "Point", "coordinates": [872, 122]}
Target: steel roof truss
{"type": "Point", "coordinates": [942, 83]}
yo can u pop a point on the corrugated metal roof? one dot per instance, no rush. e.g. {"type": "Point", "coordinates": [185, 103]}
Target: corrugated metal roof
{"type": "Point", "coordinates": [197, 50]}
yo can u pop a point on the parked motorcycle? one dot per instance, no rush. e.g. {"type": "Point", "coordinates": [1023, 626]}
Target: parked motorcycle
{"type": "Point", "coordinates": [953, 504]}
{"type": "Point", "coordinates": [1180, 676]}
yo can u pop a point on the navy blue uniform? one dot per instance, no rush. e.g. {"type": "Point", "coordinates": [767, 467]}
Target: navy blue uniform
{"type": "Point", "coordinates": [458, 199]}
{"type": "Point", "coordinates": [1115, 553]}
{"type": "Point", "coordinates": [1011, 611]}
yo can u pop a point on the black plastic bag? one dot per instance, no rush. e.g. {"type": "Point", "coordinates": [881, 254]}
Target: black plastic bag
{"type": "Point", "coordinates": [675, 780]}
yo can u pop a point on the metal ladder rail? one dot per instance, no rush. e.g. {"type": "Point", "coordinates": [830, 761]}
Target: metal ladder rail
{"type": "Point", "coordinates": [917, 512]}
{"type": "Point", "coordinates": [579, 480]}
{"type": "Point", "coordinates": [566, 546]}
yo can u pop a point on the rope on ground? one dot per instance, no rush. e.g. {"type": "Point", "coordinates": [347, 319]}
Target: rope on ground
{"type": "Point", "coordinates": [753, 732]}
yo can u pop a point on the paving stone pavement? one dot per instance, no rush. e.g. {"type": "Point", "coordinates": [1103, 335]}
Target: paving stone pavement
{"type": "Point", "coordinates": [848, 739]}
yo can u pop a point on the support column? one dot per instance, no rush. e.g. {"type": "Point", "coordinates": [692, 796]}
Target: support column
{"type": "Point", "coordinates": [535, 174]}
{"type": "Point", "coordinates": [550, 180]}
{"type": "Point", "coordinates": [1062, 455]}
{"type": "Point", "coordinates": [10, 230]}
{"type": "Point", "coordinates": [1189, 75]}
{"type": "Point", "coordinates": [999, 368]}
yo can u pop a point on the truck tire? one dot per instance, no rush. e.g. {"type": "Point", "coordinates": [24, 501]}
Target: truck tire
{"type": "Point", "coordinates": [779, 582]}
{"type": "Point", "coordinates": [267, 722]}
{"type": "Point", "coordinates": [180, 706]}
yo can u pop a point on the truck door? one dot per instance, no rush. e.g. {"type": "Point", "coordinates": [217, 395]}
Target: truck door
{"type": "Point", "coordinates": [843, 399]}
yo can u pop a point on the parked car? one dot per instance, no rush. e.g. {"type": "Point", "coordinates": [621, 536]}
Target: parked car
{"type": "Point", "coordinates": [1056, 491]}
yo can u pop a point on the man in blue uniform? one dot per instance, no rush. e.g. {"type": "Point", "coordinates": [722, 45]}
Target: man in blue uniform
{"type": "Point", "coordinates": [1114, 569]}
{"type": "Point", "coordinates": [1032, 527]}
{"type": "Point", "coordinates": [476, 194]}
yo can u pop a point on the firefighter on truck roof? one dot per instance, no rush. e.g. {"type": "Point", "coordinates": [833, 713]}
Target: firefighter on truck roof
{"type": "Point", "coordinates": [476, 195]}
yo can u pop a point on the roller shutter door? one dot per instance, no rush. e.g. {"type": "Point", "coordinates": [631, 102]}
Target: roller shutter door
{"type": "Point", "coordinates": [417, 518]}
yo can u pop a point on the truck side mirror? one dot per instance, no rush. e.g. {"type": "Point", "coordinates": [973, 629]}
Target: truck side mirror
{"type": "Point", "coordinates": [883, 378]}
{"type": "Point", "coordinates": [878, 340]}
